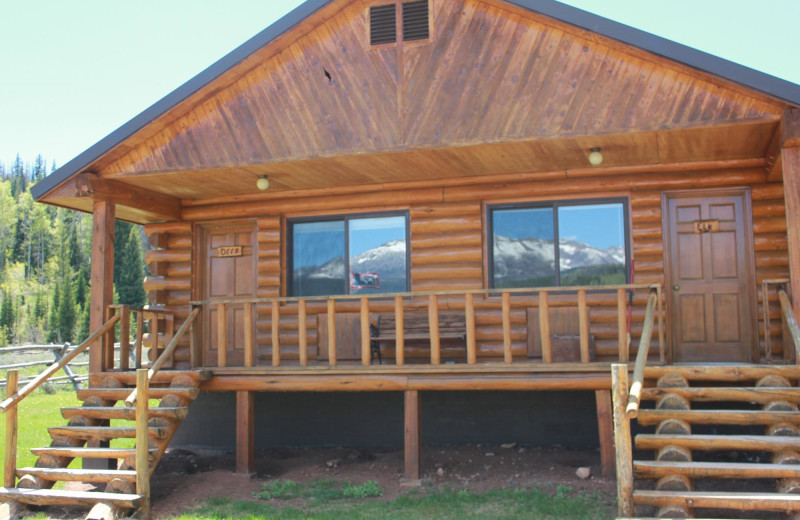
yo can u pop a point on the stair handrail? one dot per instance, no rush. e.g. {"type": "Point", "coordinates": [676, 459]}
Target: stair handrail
{"type": "Point", "coordinates": [168, 351]}
{"type": "Point", "coordinates": [14, 399]}
{"type": "Point", "coordinates": [635, 394]}
{"type": "Point", "coordinates": [791, 321]}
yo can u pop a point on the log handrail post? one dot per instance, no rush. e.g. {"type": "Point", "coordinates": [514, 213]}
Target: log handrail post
{"type": "Point", "coordinates": [469, 311]}
{"type": "Point", "coordinates": [331, 305]}
{"type": "Point", "coordinates": [791, 321]}
{"type": "Point", "coordinates": [249, 346]}
{"type": "Point", "coordinates": [302, 339]}
{"type": "Point", "coordinates": [506, 317]}
{"type": "Point", "coordinates": [276, 328]}
{"type": "Point", "coordinates": [108, 339]}
{"type": "Point", "coordinates": [632, 410]}
{"type": "Point", "coordinates": [154, 328]}
{"type": "Point", "coordinates": [544, 327]}
{"type": "Point", "coordinates": [662, 348]}
{"type": "Point", "coordinates": [143, 441]}
{"type": "Point", "coordinates": [222, 335]}
{"type": "Point", "coordinates": [433, 325]}
{"type": "Point", "coordinates": [139, 337]}
{"type": "Point", "coordinates": [365, 335]}
{"type": "Point", "coordinates": [124, 337]}
{"type": "Point", "coordinates": [622, 440]}
{"type": "Point", "coordinates": [400, 333]}
{"type": "Point", "coordinates": [583, 326]}
{"type": "Point", "coordinates": [10, 464]}
{"type": "Point", "coordinates": [622, 340]}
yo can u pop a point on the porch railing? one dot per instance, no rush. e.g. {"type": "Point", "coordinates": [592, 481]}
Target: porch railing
{"type": "Point", "coordinates": [274, 309]}
{"type": "Point", "coordinates": [791, 344]}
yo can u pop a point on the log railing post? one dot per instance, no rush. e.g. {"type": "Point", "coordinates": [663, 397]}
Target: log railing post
{"type": "Point", "coordinates": [365, 335]}
{"type": "Point", "coordinates": [622, 337]}
{"type": "Point", "coordinates": [506, 307]}
{"type": "Point", "coordinates": [10, 465]}
{"type": "Point", "coordinates": [108, 341]}
{"type": "Point", "coordinates": [222, 335]}
{"type": "Point", "coordinates": [139, 337]}
{"type": "Point", "coordinates": [124, 337]}
{"type": "Point", "coordinates": [433, 325]}
{"type": "Point", "coordinates": [544, 327]}
{"type": "Point", "coordinates": [142, 441]}
{"type": "Point", "coordinates": [662, 348]}
{"type": "Point", "coordinates": [399, 338]}
{"type": "Point", "coordinates": [249, 346]}
{"type": "Point", "coordinates": [302, 339]}
{"type": "Point", "coordinates": [469, 311]}
{"type": "Point", "coordinates": [195, 344]}
{"type": "Point", "coordinates": [154, 328]}
{"type": "Point", "coordinates": [332, 332]}
{"type": "Point", "coordinates": [622, 440]}
{"type": "Point", "coordinates": [276, 328]}
{"type": "Point", "coordinates": [583, 326]}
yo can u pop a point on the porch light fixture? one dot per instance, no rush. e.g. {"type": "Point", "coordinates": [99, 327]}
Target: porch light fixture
{"type": "Point", "coordinates": [262, 183]}
{"type": "Point", "coordinates": [596, 156]}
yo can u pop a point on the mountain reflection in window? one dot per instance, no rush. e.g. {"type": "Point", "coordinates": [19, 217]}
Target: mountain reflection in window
{"type": "Point", "coordinates": [375, 249]}
{"type": "Point", "coordinates": [591, 242]}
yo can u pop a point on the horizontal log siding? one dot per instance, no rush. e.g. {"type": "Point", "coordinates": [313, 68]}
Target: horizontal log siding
{"type": "Point", "coordinates": [447, 250]}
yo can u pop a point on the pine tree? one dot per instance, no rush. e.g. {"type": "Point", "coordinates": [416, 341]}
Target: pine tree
{"type": "Point", "coordinates": [128, 265]}
{"type": "Point", "coordinates": [67, 313]}
{"type": "Point", "coordinates": [53, 335]}
{"type": "Point", "coordinates": [83, 324]}
{"type": "Point", "coordinates": [7, 315]}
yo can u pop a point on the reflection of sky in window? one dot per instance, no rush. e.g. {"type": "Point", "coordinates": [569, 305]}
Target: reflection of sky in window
{"type": "Point", "coordinates": [369, 233]}
{"type": "Point", "coordinates": [599, 225]}
{"type": "Point", "coordinates": [524, 223]}
{"type": "Point", "coordinates": [316, 243]}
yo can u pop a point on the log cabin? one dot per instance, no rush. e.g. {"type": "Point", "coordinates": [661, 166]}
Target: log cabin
{"type": "Point", "coordinates": [467, 198]}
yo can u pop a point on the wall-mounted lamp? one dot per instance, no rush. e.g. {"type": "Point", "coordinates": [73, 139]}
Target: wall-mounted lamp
{"type": "Point", "coordinates": [262, 183]}
{"type": "Point", "coordinates": [596, 156]}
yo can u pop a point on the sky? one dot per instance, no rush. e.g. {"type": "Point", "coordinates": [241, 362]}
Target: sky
{"type": "Point", "coordinates": [72, 72]}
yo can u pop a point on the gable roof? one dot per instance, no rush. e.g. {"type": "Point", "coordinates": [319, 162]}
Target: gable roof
{"type": "Point", "coordinates": [758, 81]}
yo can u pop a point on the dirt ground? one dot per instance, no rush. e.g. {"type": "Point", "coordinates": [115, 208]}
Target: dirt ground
{"type": "Point", "coordinates": [184, 479]}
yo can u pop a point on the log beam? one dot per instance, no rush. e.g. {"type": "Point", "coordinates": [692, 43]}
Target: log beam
{"type": "Point", "coordinates": [102, 279]}
{"type": "Point", "coordinates": [412, 436]}
{"type": "Point", "coordinates": [89, 185]}
{"type": "Point", "coordinates": [605, 430]}
{"type": "Point", "coordinates": [790, 157]}
{"type": "Point", "coordinates": [245, 445]}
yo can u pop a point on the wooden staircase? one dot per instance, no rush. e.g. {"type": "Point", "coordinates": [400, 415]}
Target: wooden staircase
{"type": "Point", "coordinates": [90, 434]}
{"type": "Point", "coordinates": [724, 441]}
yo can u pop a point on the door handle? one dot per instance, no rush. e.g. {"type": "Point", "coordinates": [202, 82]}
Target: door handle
{"type": "Point", "coordinates": [676, 287]}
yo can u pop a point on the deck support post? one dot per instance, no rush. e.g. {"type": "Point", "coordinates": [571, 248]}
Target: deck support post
{"type": "Point", "coordinates": [413, 448]}
{"type": "Point", "coordinates": [790, 157]}
{"type": "Point", "coordinates": [605, 430]}
{"type": "Point", "coordinates": [102, 281]}
{"type": "Point", "coordinates": [245, 452]}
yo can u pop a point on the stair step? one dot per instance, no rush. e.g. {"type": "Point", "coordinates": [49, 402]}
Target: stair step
{"type": "Point", "coordinates": [79, 475]}
{"type": "Point", "coordinates": [104, 432]}
{"type": "Point", "coordinates": [719, 500]}
{"type": "Point", "coordinates": [87, 453]}
{"type": "Point", "coordinates": [658, 469]}
{"type": "Point", "coordinates": [718, 442]}
{"type": "Point", "coordinates": [47, 497]}
{"type": "Point", "coordinates": [161, 377]}
{"type": "Point", "coordinates": [723, 372]}
{"type": "Point", "coordinates": [762, 395]}
{"type": "Point", "coordinates": [123, 412]}
{"type": "Point", "coordinates": [119, 394]}
{"type": "Point", "coordinates": [743, 417]}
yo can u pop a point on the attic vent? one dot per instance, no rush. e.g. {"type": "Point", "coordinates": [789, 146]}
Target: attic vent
{"type": "Point", "coordinates": [415, 20]}
{"type": "Point", "coordinates": [383, 24]}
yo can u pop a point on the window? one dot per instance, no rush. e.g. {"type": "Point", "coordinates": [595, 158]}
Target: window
{"type": "Point", "coordinates": [349, 255]}
{"type": "Point", "coordinates": [588, 241]}
{"type": "Point", "coordinates": [383, 22]}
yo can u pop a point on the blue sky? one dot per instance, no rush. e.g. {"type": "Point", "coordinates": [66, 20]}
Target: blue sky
{"type": "Point", "coordinates": [71, 72]}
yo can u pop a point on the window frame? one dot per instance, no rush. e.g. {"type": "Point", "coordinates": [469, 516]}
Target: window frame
{"type": "Point", "coordinates": [554, 205]}
{"type": "Point", "coordinates": [345, 218]}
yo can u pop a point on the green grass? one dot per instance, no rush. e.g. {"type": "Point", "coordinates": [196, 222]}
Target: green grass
{"type": "Point", "coordinates": [319, 490]}
{"type": "Point", "coordinates": [507, 504]}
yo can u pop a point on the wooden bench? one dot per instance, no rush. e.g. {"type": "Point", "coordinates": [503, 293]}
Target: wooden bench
{"type": "Point", "coordinates": [416, 330]}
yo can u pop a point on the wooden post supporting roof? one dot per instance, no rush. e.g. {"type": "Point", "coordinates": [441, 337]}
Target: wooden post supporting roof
{"type": "Point", "coordinates": [413, 448]}
{"type": "Point", "coordinates": [102, 281]}
{"type": "Point", "coordinates": [245, 453]}
{"type": "Point", "coordinates": [790, 157]}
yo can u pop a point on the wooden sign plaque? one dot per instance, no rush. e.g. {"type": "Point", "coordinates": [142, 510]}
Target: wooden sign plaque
{"type": "Point", "coordinates": [227, 251]}
{"type": "Point", "coordinates": [706, 226]}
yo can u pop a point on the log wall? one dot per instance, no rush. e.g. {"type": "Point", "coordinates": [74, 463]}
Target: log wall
{"type": "Point", "coordinates": [447, 244]}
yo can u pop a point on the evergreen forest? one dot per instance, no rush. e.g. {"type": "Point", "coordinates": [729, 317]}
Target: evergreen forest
{"type": "Point", "coordinates": [45, 263]}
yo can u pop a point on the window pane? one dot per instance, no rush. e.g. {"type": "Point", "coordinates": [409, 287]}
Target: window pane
{"type": "Point", "coordinates": [592, 244]}
{"type": "Point", "coordinates": [318, 258]}
{"type": "Point", "coordinates": [523, 249]}
{"type": "Point", "coordinates": [377, 255]}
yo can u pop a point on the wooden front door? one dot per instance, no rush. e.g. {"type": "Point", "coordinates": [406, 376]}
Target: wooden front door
{"type": "Point", "coordinates": [710, 280]}
{"type": "Point", "coordinates": [229, 273]}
